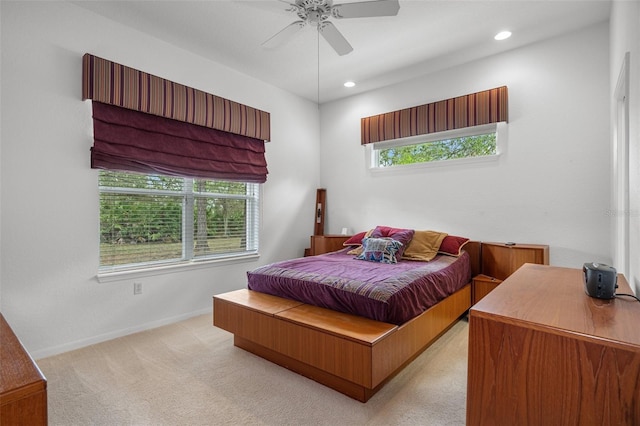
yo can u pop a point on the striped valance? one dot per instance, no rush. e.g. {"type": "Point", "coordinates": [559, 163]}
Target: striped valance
{"type": "Point", "coordinates": [111, 83]}
{"type": "Point", "coordinates": [489, 106]}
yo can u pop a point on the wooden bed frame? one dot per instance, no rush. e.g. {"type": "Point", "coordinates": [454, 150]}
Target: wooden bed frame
{"type": "Point", "coordinates": [351, 354]}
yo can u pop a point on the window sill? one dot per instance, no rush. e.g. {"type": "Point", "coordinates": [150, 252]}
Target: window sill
{"type": "Point", "coordinates": [112, 276]}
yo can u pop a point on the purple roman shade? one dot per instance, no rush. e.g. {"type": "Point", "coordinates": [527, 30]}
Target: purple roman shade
{"type": "Point", "coordinates": [144, 123]}
{"type": "Point", "coordinates": [128, 140]}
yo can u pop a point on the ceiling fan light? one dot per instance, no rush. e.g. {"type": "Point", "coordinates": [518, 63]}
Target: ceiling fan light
{"type": "Point", "coordinates": [503, 35]}
{"type": "Point", "coordinates": [349, 83]}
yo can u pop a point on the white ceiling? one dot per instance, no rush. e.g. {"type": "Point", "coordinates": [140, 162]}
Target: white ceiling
{"type": "Point", "coordinates": [425, 36]}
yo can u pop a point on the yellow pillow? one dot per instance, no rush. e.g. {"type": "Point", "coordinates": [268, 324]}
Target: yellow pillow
{"type": "Point", "coordinates": [424, 245]}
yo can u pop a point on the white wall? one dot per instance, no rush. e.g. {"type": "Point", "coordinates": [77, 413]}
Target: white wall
{"type": "Point", "coordinates": [625, 37]}
{"type": "Point", "coordinates": [550, 187]}
{"type": "Point", "coordinates": [49, 197]}
{"type": "Point", "coordinates": [545, 189]}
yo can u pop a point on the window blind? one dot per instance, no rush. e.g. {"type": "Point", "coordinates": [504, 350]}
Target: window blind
{"type": "Point", "coordinates": [147, 220]}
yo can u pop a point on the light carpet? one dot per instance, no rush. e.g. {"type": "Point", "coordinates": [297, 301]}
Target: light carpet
{"type": "Point", "coordinates": [189, 373]}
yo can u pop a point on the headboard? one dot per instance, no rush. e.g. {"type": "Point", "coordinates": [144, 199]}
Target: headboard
{"type": "Point", "coordinates": [474, 248]}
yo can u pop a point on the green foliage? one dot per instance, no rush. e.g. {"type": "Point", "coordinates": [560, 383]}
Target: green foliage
{"type": "Point", "coordinates": [219, 187]}
{"type": "Point", "coordinates": [147, 226]}
{"type": "Point", "coordinates": [135, 219]}
{"type": "Point", "coordinates": [447, 149]}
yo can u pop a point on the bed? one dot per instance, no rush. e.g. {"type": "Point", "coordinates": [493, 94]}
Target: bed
{"type": "Point", "coordinates": [392, 293]}
{"type": "Point", "coordinates": [336, 319]}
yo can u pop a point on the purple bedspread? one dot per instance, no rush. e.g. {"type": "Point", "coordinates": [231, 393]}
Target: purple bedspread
{"type": "Point", "coordinates": [392, 293]}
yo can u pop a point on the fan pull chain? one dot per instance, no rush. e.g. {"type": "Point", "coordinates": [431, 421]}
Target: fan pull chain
{"type": "Point", "coordinates": [318, 46]}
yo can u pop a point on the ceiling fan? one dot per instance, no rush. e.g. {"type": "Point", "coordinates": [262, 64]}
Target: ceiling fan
{"type": "Point", "coordinates": [318, 12]}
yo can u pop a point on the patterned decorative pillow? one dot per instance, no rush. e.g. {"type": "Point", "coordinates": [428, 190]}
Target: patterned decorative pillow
{"type": "Point", "coordinates": [399, 234]}
{"type": "Point", "coordinates": [381, 250]}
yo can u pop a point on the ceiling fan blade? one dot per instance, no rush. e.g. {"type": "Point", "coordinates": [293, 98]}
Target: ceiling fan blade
{"type": "Point", "coordinates": [283, 35]}
{"type": "Point", "coordinates": [335, 38]}
{"type": "Point", "coordinates": [366, 9]}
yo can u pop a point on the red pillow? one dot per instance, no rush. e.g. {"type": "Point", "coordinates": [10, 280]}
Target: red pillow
{"type": "Point", "coordinates": [355, 240]}
{"type": "Point", "coordinates": [452, 245]}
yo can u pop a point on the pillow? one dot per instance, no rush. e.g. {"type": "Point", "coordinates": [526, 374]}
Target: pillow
{"type": "Point", "coordinates": [382, 250]}
{"type": "Point", "coordinates": [356, 250]}
{"type": "Point", "coordinates": [424, 245]}
{"type": "Point", "coordinates": [356, 240]}
{"type": "Point", "coordinates": [452, 245]}
{"type": "Point", "coordinates": [404, 236]}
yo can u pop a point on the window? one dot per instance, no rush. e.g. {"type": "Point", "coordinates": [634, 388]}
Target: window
{"type": "Point", "coordinates": [444, 149]}
{"type": "Point", "coordinates": [480, 142]}
{"type": "Point", "coordinates": [154, 220]}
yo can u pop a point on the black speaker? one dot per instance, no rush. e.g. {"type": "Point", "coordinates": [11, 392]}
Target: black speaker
{"type": "Point", "coordinates": [600, 280]}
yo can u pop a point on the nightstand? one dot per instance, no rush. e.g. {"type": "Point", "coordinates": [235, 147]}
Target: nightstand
{"type": "Point", "coordinates": [481, 286]}
{"type": "Point", "coordinates": [321, 244]}
{"type": "Point", "coordinates": [500, 260]}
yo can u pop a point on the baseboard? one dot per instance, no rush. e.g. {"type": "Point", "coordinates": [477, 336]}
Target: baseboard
{"type": "Point", "coordinates": [78, 344]}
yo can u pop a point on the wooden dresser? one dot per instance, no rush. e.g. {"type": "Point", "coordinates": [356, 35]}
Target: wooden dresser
{"type": "Point", "coordinates": [542, 352]}
{"type": "Point", "coordinates": [23, 388]}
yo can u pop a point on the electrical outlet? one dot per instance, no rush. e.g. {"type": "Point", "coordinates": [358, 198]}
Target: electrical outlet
{"type": "Point", "coordinates": [137, 288]}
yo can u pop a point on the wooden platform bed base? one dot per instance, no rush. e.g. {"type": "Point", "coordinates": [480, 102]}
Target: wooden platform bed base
{"type": "Point", "coordinates": [351, 354]}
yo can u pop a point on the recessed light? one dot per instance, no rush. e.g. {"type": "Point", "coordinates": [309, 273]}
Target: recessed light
{"type": "Point", "coordinates": [503, 35]}
{"type": "Point", "coordinates": [349, 84]}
